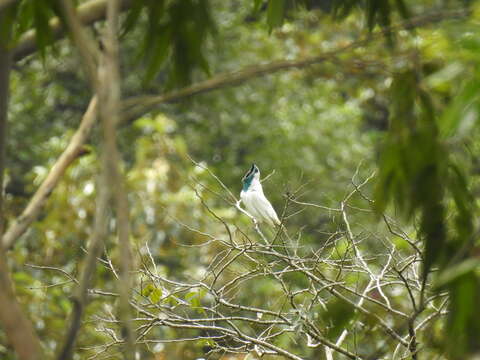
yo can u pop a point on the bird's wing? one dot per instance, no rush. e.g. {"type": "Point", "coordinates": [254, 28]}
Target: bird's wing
{"type": "Point", "coordinates": [265, 209]}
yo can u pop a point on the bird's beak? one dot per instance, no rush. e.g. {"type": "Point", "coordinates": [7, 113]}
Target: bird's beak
{"type": "Point", "coordinates": [250, 171]}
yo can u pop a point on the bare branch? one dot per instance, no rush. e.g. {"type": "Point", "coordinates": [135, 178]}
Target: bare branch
{"type": "Point", "coordinates": [6, 3]}
{"type": "Point", "coordinates": [5, 68]}
{"type": "Point", "coordinates": [18, 329]}
{"type": "Point", "coordinates": [70, 154]}
{"type": "Point", "coordinates": [87, 47]}
{"type": "Point", "coordinates": [70, 277]}
{"type": "Point", "coordinates": [88, 13]}
{"type": "Point", "coordinates": [110, 94]}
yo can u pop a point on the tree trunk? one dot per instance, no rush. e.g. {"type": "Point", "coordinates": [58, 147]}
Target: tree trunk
{"type": "Point", "coordinates": [17, 327]}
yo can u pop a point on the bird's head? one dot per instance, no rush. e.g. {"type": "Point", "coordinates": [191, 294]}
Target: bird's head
{"type": "Point", "coordinates": [252, 173]}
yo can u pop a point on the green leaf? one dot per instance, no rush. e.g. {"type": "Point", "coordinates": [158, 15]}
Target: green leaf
{"type": "Point", "coordinates": [208, 342]}
{"type": "Point", "coordinates": [7, 21]}
{"type": "Point", "coordinates": [22, 278]}
{"type": "Point", "coordinates": [463, 111]}
{"type": "Point", "coordinates": [337, 317]}
{"type": "Point", "coordinates": [413, 165]}
{"type": "Point", "coordinates": [433, 231]}
{"type": "Point", "coordinates": [174, 40]}
{"type": "Point", "coordinates": [257, 4]}
{"type": "Point", "coordinates": [155, 295]}
{"type": "Point", "coordinates": [379, 12]}
{"type": "Point", "coordinates": [463, 325]}
{"type": "Point", "coordinates": [464, 202]}
{"type": "Point", "coordinates": [275, 13]}
{"type": "Point", "coordinates": [194, 298]}
{"type": "Point", "coordinates": [342, 9]}
{"type": "Point", "coordinates": [371, 12]}
{"type": "Point", "coordinates": [152, 292]}
{"type": "Point", "coordinates": [172, 301]}
{"type": "Point", "coordinates": [158, 54]}
{"type": "Point", "coordinates": [133, 16]}
{"type": "Point", "coordinates": [41, 17]}
{"type": "Point", "coordinates": [403, 9]}
{"type": "Point", "coordinates": [452, 273]}
{"type": "Point", "coordinates": [147, 290]}
{"type": "Point", "coordinates": [190, 295]}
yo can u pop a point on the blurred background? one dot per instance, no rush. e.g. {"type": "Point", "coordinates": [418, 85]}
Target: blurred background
{"type": "Point", "coordinates": [314, 128]}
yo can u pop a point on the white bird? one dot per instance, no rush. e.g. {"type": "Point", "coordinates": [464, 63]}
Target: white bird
{"type": "Point", "coordinates": [255, 201]}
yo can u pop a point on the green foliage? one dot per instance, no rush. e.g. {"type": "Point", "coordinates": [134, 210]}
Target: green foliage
{"type": "Point", "coordinates": [175, 31]}
{"type": "Point", "coordinates": [337, 317]}
{"type": "Point", "coordinates": [257, 5]}
{"type": "Point", "coordinates": [412, 164]}
{"type": "Point", "coordinates": [7, 21]}
{"type": "Point", "coordinates": [462, 114]}
{"type": "Point", "coordinates": [415, 161]}
{"type": "Point", "coordinates": [194, 298]}
{"type": "Point", "coordinates": [462, 324]}
{"type": "Point", "coordinates": [36, 15]}
{"type": "Point", "coordinates": [152, 292]}
{"type": "Point", "coordinates": [454, 272]}
{"type": "Point", "coordinates": [275, 13]}
{"type": "Point", "coordinates": [376, 12]}
{"type": "Point", "coordinates": [41, 15]}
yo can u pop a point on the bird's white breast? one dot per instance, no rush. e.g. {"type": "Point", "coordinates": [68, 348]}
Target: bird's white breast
{"type": "Point", "coordinates": [248, 199]}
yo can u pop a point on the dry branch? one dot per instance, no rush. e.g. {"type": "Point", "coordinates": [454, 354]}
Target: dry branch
{"type": "Point", "coordinates": [229, 315]}
{"type": "Point", "coordinates": [73, 150]}
{"type": "Point", "coordinates": [88, 13]}
{"type": "Point", "coordinates": [91, 57]}
{"type": "Point", "coordinates": [137, 106]}
{"type": "Point", "coordinates": [5, 68]}
{"type": "Point", "coordinates": [5, 3]}
{"type": "Point", "coordinates": [17, 327]}
{"type": "Point", "coordinates": [84, 43]}
{"type": "Point", "coordinates": [110, 95]}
